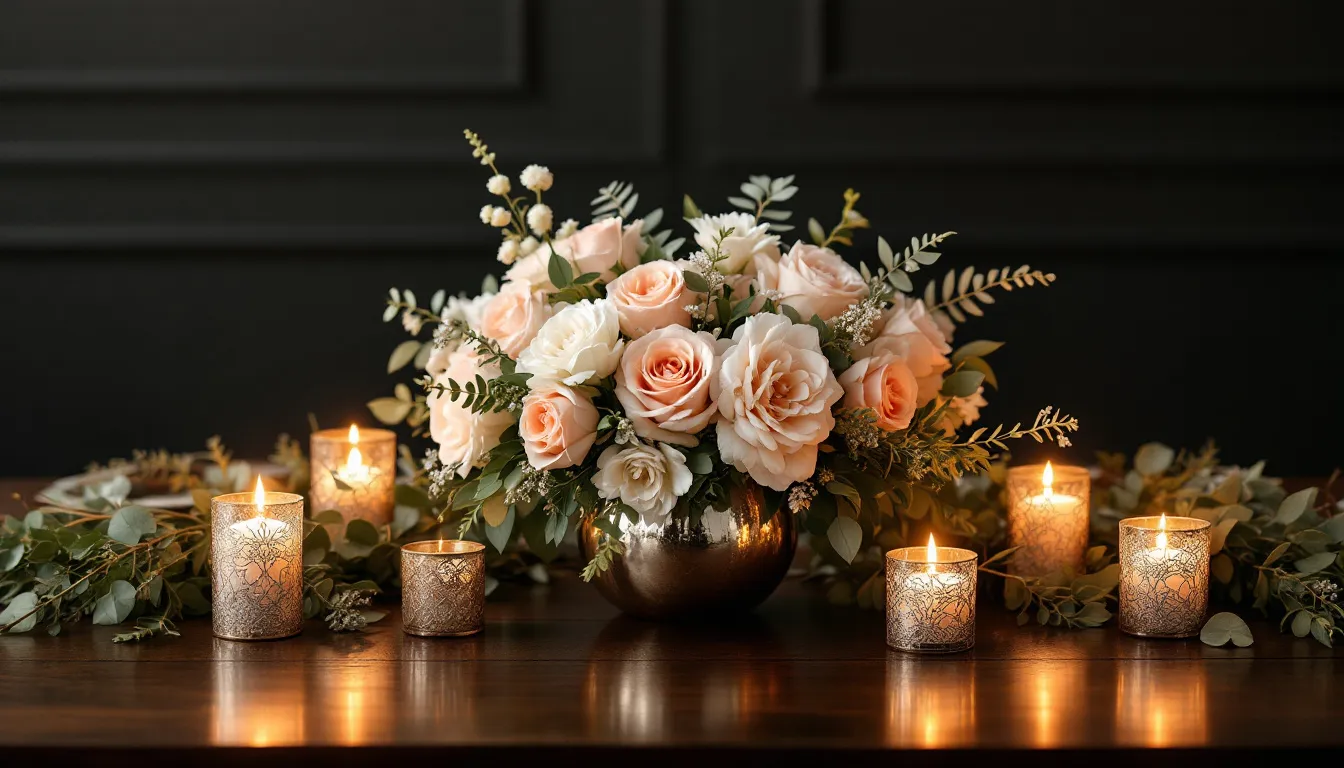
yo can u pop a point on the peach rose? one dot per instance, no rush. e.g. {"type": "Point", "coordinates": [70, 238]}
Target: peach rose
{"type": "Point", "coordinates": [884, 384]}
{"type": "Point", "coordinates": [557, 425]}
{"type": "Point", "coordinates": [775, 390]}
{"type": "Point", "coordinates": [813, 280]}
{"type": "Point", "coordinates": [664, 383]}
{"type": "Point", "coordinates": [910, 332]}
{"type": "Point", "coordinates": [649, 297]}
{"type": "Point", "coordinates": [513, 317]}
{"type": "Point", "coordinates": [601, 246]}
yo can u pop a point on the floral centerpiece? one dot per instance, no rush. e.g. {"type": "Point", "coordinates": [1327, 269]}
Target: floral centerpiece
{"type": "Point", "coordinates": [606, 379]}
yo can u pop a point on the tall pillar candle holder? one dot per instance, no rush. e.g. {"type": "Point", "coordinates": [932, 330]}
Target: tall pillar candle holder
{"type": "Point", "coordinates": [354, 472]}
{"type": "Point", "coordinates": [931, 599]}
{"type": "Point", "coordinates": [443, 588]}
{"type": "Point", "coordinates": [256, 554]}
{"type": "Point", "coordinates": [1048, 518]}
{"type": "Point", "coordinates": [1164, 575]}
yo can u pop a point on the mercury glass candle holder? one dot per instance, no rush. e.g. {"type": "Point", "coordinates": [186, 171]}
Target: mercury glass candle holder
{"type": "Point", "coordinates": [1164, 575]}
{"type": "Point", "coordinates": [256, 572]}
{"type": "Point", "coordinates": [443, 588]}
{"type": "Point", "coordinates": [1048, 524]}
{"type": "Point", "coordinates": [931, 602]}
{"type": "Point", "coordinates": [364, 489]}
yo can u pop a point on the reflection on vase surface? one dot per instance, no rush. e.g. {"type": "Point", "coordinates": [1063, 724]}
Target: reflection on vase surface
{"type": "Point", "coordinates": [627, 687]}
{"type": "Point", "coordinates": [256, 703]}
{"type": "Point", "coordinates": [729, 561]}
{"type": "Point", "coordinates": [930, 704]}
{"type": "Point", "coordinates": [1161, 704]}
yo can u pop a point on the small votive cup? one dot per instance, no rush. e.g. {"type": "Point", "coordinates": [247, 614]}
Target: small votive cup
{"type": "Point", "coordinates": [369, 492]}
{"type": "Point", "coordinates": [931, 604]}
{"type": "Point", "coordinates": [443, 588]}
{"type": "Point", "coordinates": [256, 570]}
{"type": "Point", "coordinates": [1164, 576]}
{"type": "Point", "coordinates": [1049, 529]}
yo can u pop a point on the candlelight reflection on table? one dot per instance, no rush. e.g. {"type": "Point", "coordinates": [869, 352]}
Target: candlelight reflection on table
{"type": "Point", "coordinates": [255, 701]}
{"type": "Point", "coordinates": [1162, 704]}
{"type": "Point", "coordinates": [930, 705]}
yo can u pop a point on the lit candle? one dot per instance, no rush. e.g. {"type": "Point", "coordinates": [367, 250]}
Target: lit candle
{"type": "Point", "coordinates": [354, 473]}
{"type": "Point", "coordinates": [1048, 518]}
{"type": "Point", "coordinates": [931, 598]}
{"type": "Point", "coordinates": [1164, 575]}
{"type": "Point", "coordinates": [256, 553]}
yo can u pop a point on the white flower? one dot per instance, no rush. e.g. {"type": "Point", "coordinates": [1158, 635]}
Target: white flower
{"type": "Point", "coordinates": [487, 212]}
{"type": "Point", "coordinates": [412, 322]}
{"type": "Point", "coordinates": [508, 251]}
{"type": "Point", "coordinates": [500, 218]}
{"type": "Point", "coordinates": [528, 245]}
{"type": "Point", "coordinates": [746, 241]}
{"type": "Point", "coordinates": [580, 344]}
{"type": "Point", "coordinates": [498, 184]}
{"type": "Point", "coordinates": [775, 390]}
{"type": "Point", "coordinates": [648, 479]}
{"type": "Point", "coordinates": [567, 228]}
{"type": "Point", "coordinates": [537, 178]}
{"type": "Point", "coordinates": [539, 219]}
{"type": "Point", "coordinates": [464, 437]}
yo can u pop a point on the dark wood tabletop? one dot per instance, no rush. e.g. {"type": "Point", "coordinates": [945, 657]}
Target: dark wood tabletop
{"type": "Point", "coordinates": [558, 672]}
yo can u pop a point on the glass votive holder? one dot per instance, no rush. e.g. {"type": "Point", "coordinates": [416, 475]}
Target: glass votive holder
{"type": "Point", "coordinates": [256, 572]}
{"type": "Point", "coordinates": [1048, 518]}
{"type": "Point", "coordinates": [1164, 575]}
{"type": "Point", "coordinates": [443, 588]}
{"type": "Point", "coordinates": [354, 472]}
{"type": "Point", "coordinates": [931, 601]}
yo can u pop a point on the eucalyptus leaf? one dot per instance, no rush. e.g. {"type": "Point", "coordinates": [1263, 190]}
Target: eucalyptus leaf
{"type": "Point", "coordinates": [116, 605]}
{"type": "Point", "coordinates": [404, 518]}
{"type": "Point", "coordinates": [1301, 624]}
{"type": "Point", "coordinates": [11, 557]}
{"type": "Point", "coordinates": [501, 534]}
{"type": "Point", "coordinates": [362, 532]}
{"type": "Point", "coordinates": [1293, 506]}
{"type": "Point", "coordinates": [389, 410]}
{"type": "Point", "coordinates": [1224, 627]}
{"type": "Point", "coordinates": [963, 383]}
{"type": "Point", "coordinates": [975, 349]}
{"type": "Point", "coordinates": [1154, 458]}
{"type": "Point", "coordinates": [20, 605]}
{"type": "Point", "coordinates": [129, 524]}
{"type": "Point", "coordinates": [845, 536]}
{"type": "Point", "coordinates": [316, 545]}
{"type": "Point", "coordinates": [1314, 563]}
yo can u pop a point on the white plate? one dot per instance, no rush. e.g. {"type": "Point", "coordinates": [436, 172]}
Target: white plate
{"type": "Point", "coordinates": [69, 491]}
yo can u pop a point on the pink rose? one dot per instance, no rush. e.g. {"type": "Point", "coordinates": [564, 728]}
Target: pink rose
{"type": "Point", "coordinates": [464, 437]}
{"type": "Point", "coordinates": [885, 385]}
{"type": "Point", "coordinates": [911, 333]}
{"type": "Point", "coordinates": [513, 316]}
{"type": "Point", "coordinates": [649, 297]}
{"type": "Point", "coordinates": [664, 384]}
{"type": "Point", "coordinates": [557, 425]}
{"type": "Point", "coordinates": [600, 247]}
{"type": "Point", "coordinates": [813, 280]}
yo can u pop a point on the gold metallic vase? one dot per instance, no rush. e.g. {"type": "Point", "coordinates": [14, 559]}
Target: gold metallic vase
{"type": "Point", "coordinates": [256, 559]}
{"type": "Point", "coordinates": [728, 561]}
{"type": "Point", "coordinates": [443, 588]}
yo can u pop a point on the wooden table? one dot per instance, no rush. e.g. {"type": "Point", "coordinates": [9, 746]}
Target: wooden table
{"type": "Point", "coordinates": [559, 675]}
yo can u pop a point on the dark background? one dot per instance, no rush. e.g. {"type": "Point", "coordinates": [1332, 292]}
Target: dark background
{"type": "Point", "coordinates": [203, 203]}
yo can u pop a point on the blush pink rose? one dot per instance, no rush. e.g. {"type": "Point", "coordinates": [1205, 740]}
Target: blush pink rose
{"type": "Point", "coordinates": [557, 425]}
{"type": "Point", "coordinates": [513, 317]}
{"type": "Point", "coordinates": [884, 384]}
{"type": "Point", "coordinates": [812, 280]}
{"type": "Point", "coordinates": [664, 384]}
{"type": "Point", "coordinates": [601, 246]}
{"type": "Point", "coordinates": [649, 297]}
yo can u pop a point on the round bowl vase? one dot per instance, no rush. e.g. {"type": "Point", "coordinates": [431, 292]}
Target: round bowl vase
{"type": "Point", "coordinates": [728, 562]}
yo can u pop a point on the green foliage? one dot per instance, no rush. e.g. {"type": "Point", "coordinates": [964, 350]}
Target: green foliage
{"type": "Point", "coordinates": [960, 295]}
{"type": "Point", "coordinates": [619, 199]}
{"type": "Point", "coordinates": [761, 192]}
{"type": "Point", "coordinates": [1222, 628]}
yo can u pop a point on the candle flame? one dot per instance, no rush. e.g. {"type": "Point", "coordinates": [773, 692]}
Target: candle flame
{"type": "Point", "coordinates": [1047, 480]}
{"type": "Point", "coordinates": [354, 460]}
{"type": "Point", "coordinates": [932, 553]}
{"type": "Point", "coordinates": [259, 498]}
{"type": "Point", "coordinates": [1162, 531]}
{"type": "Point", "coordinates": [354, 435]}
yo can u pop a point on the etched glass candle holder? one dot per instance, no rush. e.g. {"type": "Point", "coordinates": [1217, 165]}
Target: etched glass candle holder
{"type": "Point", "coordinates": [1048, 518]}
{"type": "Point", "coordinates": [1164, 575]}
{"type": "Point", "coordinates": [256, 553]}
{"type": "Point", "coordinates": [443, 588]}
{"type": "Point", "coordinates": [354, 472]}
{"type": "Point", "coordinates": [931, 599]}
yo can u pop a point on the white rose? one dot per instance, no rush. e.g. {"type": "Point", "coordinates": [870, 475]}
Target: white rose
{"type": "Point", "coordinates": [775, 390]}
{"type": "Point", "coordinates": [747, 241]}
{"type": "Point", "coordinates": [579, 344]}
{"type": "Point", "coordinates": [813, 280]}
{"type": "Point", "coordinates": [464, 437]}
{"type": "Point", "coordinates": [513, 316]}
{"type": "Point", "coordinates": [648, 479]}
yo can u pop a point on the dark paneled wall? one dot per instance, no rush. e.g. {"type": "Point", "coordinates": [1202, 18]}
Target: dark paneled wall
{"type": "Point", "coordinates": [202, 203]}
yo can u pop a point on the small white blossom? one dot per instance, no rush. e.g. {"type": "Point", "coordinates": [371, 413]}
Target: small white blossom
{"type": "Point", "coordinates": [498, 184]}
{"type": "Point", "coordinates": [508, 251]}
{"type": "Point", "coordinates": [537, 178]}
{"type": "Point", "coordinates": [500, 218]}
{"type": "Point", "coordinates": [487, 211]}
{"type": "Point", "coordinates": [412, 322]}
{"type": "Point", "coordinates": [567, 228]}
{"type": "Point", "coordinates": [528, 246]}
{"type": "Point", "coordinates": [539, 218]}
